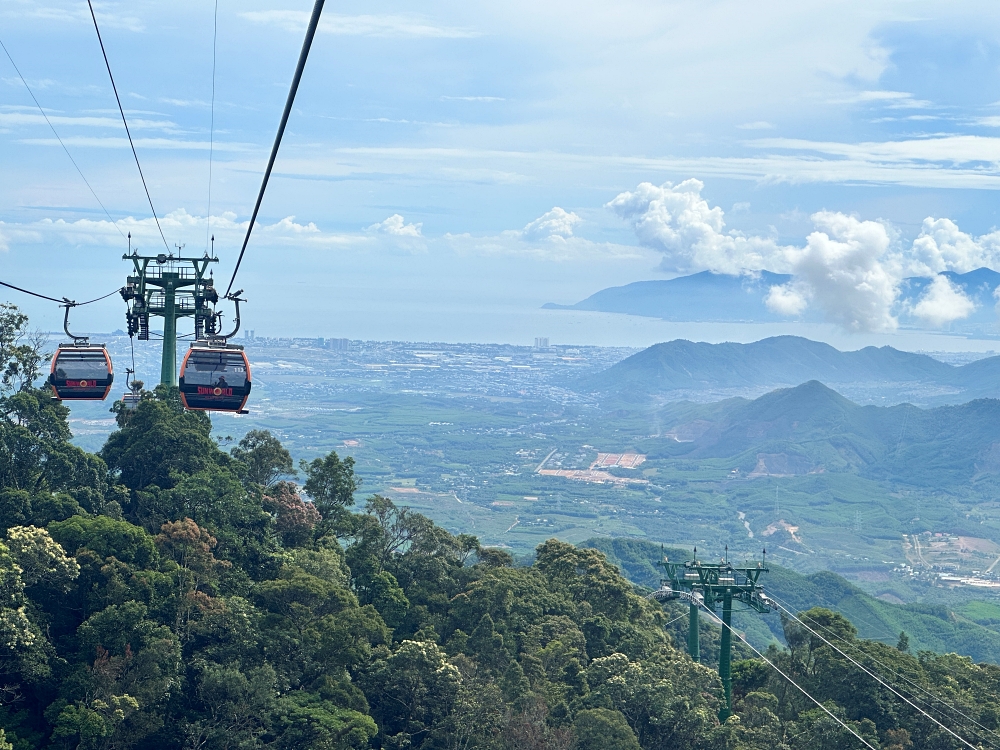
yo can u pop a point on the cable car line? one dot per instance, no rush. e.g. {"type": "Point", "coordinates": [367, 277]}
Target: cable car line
{"type": "Point", "coordinates": [913, 686]}
{"type": "Point", "coordinates": [52, 127]}
{"type": "Point", "coordinates": [916, 688]}
{"type": "Point", "coordinates": [877, 678]}
{"type": "Point", "coordinates": [125, 122]}
{"type": "Point", "coordinates": [64, 300]}
{"type": "Point", "coordinates": [303, 55]}
{"type": "Point", "coordinates": [801, 689]}
{"type": "Point", "coordinates": [211, 131]}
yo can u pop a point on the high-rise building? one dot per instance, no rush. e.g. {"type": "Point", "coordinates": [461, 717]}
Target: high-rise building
{"type": "Point", "coordinates": [249, 334]}
{"type": "Point", "coordinates": [541, 342]}
{"type": "Point", "coordinates": [338, 344]}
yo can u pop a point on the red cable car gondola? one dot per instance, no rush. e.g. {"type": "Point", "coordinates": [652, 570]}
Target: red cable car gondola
{"type": "Point", "coordinates": [215, 377]}
{"type": "Point", "coordinates": [81, 372]}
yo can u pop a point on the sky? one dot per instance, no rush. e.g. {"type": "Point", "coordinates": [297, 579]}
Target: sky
{"type": "Point", "coordinates": [449, 167]}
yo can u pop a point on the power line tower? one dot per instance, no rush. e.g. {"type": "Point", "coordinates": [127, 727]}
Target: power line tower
{"type": "Point", "coordinates": [170, 287]}
{"type": "Point", "coordinates": [709, 585]}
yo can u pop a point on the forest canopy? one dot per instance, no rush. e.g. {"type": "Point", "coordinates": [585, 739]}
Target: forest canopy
{"type": "Point", "coordinates": [168, 593]}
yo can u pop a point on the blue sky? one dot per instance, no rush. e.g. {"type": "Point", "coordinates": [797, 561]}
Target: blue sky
{"type": "Point", "coordinates": [450, 167]}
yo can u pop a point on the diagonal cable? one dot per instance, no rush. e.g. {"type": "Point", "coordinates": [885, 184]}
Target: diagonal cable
{"type": "Point", "coordinates": [879, 680]}
{"type": "Point", "coordinates": [125, 122]}
{"type": "Point", "coordinates": [52, 127]}
{"type": "Point", "coordinates": [303, 56]}
{"type": "Point", "coordinates": [801, 689]}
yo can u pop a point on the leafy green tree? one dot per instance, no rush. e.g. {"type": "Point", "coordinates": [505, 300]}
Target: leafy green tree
{"type": "Point", "coordinates": [263, 458]}
{"type": "Point", "coordinates": [601, 728]}
{"type": "Point", "coordinates": [160, 443]}
{"type": "Point", "coordinates": [20, 350]}
{"type": "Point", "coordinates": [331, 484]}
{"type": "Point", "coordinates": [42, 560]}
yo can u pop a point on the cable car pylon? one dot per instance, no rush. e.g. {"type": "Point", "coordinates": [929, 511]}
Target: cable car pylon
{"type": "Point", "coordinates": [170, 287]}
{"type": "Point", "coordinates": [708, 585]}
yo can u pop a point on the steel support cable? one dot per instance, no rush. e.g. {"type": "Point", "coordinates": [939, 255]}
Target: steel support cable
{"type": "Point", "coordinates": [125, 123]}
{"type": "Point", "coordinates": [303, 56]}
{"type": "Point", "coordinates": [211, 130]}
{"type": "Point", "coordinates": [64, 300]}
{"type": "Point", "coordinates": [914, 687]}
{"type": "Point", "coordinates": [878, 679]}
{"type": "Point", "coordinates": [53, 129]}
{"type": "Point", "coordinates": [801, 689]}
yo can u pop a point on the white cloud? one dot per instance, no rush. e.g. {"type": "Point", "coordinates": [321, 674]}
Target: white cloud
{"type": "Point", "coordinates": [556, 224]}
{"type": "Point", "coordinates": [757, 125]}
{"type": "Point", "coordinates": [788, 299]}
{"type": "Point", "coordinates": [171, 144]}
{"type": "Point", "coordinates": [473, 99]}
{"type": "Point", "coordinates": [396, 226]}
{"type": "Point", "coordinates": [943, 302]}
{"type": "Point", "coordinates": [11, 119]}
{"type": "Point", "coordinates": [383, 25]}
{"type": "Point", "coordinates": [4, 245]}
{"type": "Point", "coordinates": [848, 271]}
{"type": "Point", "coordinates": [942, 246]}
{"type": "Point", "coordinates": [691, 235]}
{"type": "Point", "coordinates": [848, 268]}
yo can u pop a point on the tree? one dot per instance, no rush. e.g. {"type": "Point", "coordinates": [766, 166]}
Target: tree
{"type": "Point", "coordinates": [42, 560]}
{"type": "Point", "coordinates": [20, 350]}
{"type": "Point", "coordinates": [331, 484]}
{"type": "Point", "coordinates": [264, 458]}
{"type": "Point", "coordinates": [294, 519]}
{"type": "Point", "coordinates": [600, 729]}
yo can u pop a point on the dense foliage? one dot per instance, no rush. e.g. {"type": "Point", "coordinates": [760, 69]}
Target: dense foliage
{"type": "Point", "coordinates": [169, 594]}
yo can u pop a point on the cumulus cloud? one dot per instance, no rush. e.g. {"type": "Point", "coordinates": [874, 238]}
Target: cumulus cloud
{"type": "Point", "coordinates": [847, 269]}
{"type": "Point", "coordinates": [788, 299]}
{"type": "Point", "coordinates": [4, 245]}
{"type": "Point", "coordinates": [850, 269]}
{"type": "Point", "coordinates": [179, 226]}
{"type": "Point", "coordinates": [396, 226]}
{"type": "Point", "coordinates": [942, 303]}
{"type": "Point", "coordinates": [942, 246]}
{"type": "Point", "coordinates": [556, 224]}
{"type": "Point", "coordinates": [677, 221]}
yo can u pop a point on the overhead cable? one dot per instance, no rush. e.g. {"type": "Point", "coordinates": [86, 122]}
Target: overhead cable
{"type": "Point", "coordinates": [52, 127]}
{"type": "Point", "coordinates": [211, 130]}
{"type": "Point", "coordinates": [303, 56]}
{"type": "Point", "coordinates": [64, 300]}
{"type": "Point", "coordinates": [801, 689]}
{"type": "Point", "coordinates": [877, 678]}
{"type": "Point", "coordinates": [913, 686]}
{"type": "Point", "coordinates": [125, 122]}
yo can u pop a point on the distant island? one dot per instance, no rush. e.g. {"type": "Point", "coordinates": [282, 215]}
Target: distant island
{"type": "Point", "coordinates": [721, 298]}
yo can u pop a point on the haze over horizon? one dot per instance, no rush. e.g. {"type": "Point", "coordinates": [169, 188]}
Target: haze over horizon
{"type": "Point", "coordinates": [445, 173]}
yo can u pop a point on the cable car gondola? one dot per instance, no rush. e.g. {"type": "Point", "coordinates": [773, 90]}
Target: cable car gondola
{"type": "Point", "coordinates": [81, 372]}
{"type": "Point", "coordinates": [215, 377]}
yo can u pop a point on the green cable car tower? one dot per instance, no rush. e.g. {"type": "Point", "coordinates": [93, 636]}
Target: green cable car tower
{"type": "Point", "coordinates": [709, 585]}
{"type": "Point", "coordinates": [170, 287]}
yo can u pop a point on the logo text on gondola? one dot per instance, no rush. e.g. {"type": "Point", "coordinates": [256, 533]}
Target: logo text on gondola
{"type": "Point", "coordinates": [205, 391]}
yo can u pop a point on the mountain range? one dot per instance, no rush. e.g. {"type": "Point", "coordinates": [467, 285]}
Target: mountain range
{"type": "Point", "coordinates": [703, 372]}
{"type": "Point", "coordinates": [715, 297]}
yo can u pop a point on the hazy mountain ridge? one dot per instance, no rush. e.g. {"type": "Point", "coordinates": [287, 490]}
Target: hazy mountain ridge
{"type": "Point", "coordinates": [684, 369]}
{"type": "Point", "coordinates": [716, 297]}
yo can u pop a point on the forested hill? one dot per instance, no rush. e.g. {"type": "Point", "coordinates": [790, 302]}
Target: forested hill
{"type": "Point", "coordinates": [168, 593]}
